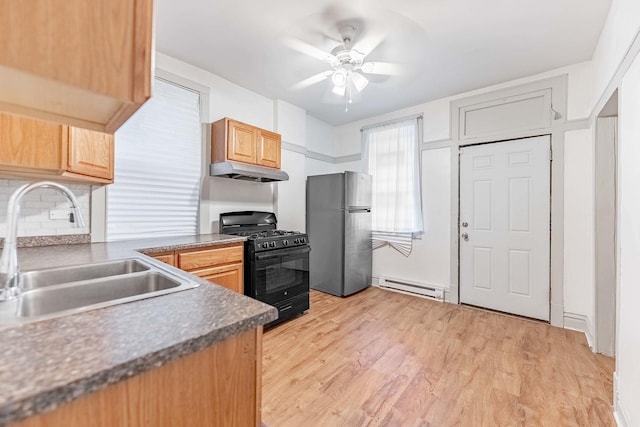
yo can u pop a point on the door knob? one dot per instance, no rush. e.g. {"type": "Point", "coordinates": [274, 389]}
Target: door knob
{"type": "Point", "coordinates": [465, 236]}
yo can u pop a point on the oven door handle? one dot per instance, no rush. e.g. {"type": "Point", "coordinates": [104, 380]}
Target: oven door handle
{"type": "Point", "coordinates": [283, 252]}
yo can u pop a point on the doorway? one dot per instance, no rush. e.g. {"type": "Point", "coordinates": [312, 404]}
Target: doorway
{"type": "Point", "coordinates": [605, 171]}
{"type": "Point", "coordinates": [504, 226]}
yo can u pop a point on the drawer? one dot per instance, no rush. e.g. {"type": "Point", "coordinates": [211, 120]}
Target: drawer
{"type": "Point", "coordinates": [228, 275]}
{"type": "Point", "coordinates": [209, 257]}
{"type": "Point", "coordinates": [167, 258]}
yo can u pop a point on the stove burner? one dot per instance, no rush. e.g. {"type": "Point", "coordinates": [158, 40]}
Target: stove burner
{"type": "Point", "coordinates": [254, 235]}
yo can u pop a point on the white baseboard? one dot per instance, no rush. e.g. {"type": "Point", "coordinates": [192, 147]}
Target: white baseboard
{"type": "Point", "coordinates": [618, 411]}
{"type": "Point", "coordinates": [580, 323]}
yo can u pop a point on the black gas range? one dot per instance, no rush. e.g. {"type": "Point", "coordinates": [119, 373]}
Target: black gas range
{"type": "Point", "coordinates": [276, 262]}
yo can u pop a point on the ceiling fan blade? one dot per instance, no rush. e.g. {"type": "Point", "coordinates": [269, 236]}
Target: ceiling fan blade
{"type": "Point", "coordinates": [309, 50]}
{"type": "Point", "coordinates": [384, 68]}
{"type": "Point", "coordinates": [368, 44]}
{"type": "Point", "coordinates": [310, 81]}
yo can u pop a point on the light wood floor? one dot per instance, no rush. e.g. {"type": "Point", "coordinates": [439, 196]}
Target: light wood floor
{"type": "Point", "coordinates": [387, 359]}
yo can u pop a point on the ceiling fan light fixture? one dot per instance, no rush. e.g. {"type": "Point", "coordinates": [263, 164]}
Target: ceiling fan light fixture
{"type": "Point", "coordinates": [356, 57]}
{"type": "Point", "coordinates": [339, 77]}
{"type": "Point", "coordinates": [359, 81]}
{"type": "Point", "coordinates": [339, 90]}
{"type": "Point", "coordinates": [368, 67]}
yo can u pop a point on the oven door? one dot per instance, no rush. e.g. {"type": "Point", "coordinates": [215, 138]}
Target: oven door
{"type": "Point", "coordinates": [281, 274]}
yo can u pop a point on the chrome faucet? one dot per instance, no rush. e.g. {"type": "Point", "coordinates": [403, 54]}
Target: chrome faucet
{"type": "Point", "coordinates": [9, 271]}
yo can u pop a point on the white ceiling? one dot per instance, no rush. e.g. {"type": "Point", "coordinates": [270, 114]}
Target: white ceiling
{"type": "Point", "coordinates": [444, 47]}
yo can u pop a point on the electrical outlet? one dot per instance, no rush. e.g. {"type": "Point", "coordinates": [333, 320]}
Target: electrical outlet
{"type": "Point", "coordinates": [59, 214]}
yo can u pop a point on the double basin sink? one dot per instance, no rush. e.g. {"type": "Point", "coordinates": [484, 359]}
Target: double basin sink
{"type": "Point", "coordinates": [61, 291]}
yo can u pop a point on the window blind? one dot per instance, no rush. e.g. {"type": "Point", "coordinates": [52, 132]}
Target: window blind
{"type": "Point", "coordinates": [156, 190]}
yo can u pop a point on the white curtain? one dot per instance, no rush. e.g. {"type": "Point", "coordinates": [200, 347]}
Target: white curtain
{"type": "Point", "coordinates": [391, 157]}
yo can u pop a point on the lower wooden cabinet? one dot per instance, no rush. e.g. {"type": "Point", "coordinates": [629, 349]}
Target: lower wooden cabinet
{"type": "Point", "coordinates": [39, 149]}
{"type": "Point", "coordinates": [167, 258]}
{"type": "Point", "coordinates": [220, 264]}
{"type": "Point", "coordinates": [230, 276]}
{"type": "Point", "coordinates": [219, 386]}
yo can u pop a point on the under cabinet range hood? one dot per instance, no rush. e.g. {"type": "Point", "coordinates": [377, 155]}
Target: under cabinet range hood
{"type": "Point", "coordinates": [247, 172]}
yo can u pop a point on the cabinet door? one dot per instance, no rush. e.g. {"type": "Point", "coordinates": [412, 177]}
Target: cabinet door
{"type": "Point", "coordinates": [230, 276]}
{"type": "Point", "coordinates": [32, 144]}
{"type": "Point", "coordinates": [268, 149]}
{"type": "Point", "coordinates": [218, 386]}
{"type": "Point", "coordinates": [74, 61]}
{"type": "Point", "coordinates": [241, 142]}
{"type": "Point", "coordinates": [167, 258]}
{"type": "Point", "coordinates": [91, 153]}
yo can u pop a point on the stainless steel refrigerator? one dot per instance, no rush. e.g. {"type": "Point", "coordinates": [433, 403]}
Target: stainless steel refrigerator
{"type": "Point", "coordinates": [339, 229]}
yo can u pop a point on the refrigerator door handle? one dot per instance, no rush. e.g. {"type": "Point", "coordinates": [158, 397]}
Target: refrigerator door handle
{"type": "Point", "coordinates": [359, 209]}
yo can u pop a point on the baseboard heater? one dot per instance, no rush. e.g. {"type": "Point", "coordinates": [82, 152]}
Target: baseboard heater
{"type": "Point", "coordinates": [406, 286]}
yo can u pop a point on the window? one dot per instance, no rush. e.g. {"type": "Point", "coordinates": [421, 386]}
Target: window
{"type": "Point", "coordinates": [391, 157]}
{"type": "Point", "coordinates": [156, 190]}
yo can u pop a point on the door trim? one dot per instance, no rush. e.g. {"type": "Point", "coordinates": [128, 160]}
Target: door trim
{"type": "Point", "coordinates": [558, 86]}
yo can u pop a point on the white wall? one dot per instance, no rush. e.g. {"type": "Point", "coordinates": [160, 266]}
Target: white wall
{"type": "Point", "coordinates": [290, 196]}
{"type": "Point", "coordinates": [619, 35]}
{"type": "Point", "coordinates": [436, 116]}
{"type": "Point", "coordinates": [304, 132]}
{"type": "Point", "coordinates": [319, 167]}
{"type": "Point", "coordinates": [355, 166]}
{"type": "Point", "coordinates": [579, 279]}
{"type": "Point", "coordinates": [619, 31]}
{"type": "Point", "coordinates": [34, 213]}
{"type": "Point", "coordinates": [290, 200]}
{"type": "Point", "coordinates": [628, 300]}
{"type": "Point", "coordinates": [436, 113]}
{"type": "Point", "coordinates": [429, 260]}
{"type": "Point", "coordinates": [319, 137]}
{"type": "Point", "coordinates": [227, 99]}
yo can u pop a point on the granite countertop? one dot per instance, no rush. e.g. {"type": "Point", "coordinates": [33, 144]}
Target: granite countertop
{"type": "Point", "coordinates": [45, 364]}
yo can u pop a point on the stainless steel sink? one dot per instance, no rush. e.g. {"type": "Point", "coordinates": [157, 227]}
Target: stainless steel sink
{"type": "Point", "coordinates": [66, 290]}
{"type": "Point", "coordinates": [54, 276]}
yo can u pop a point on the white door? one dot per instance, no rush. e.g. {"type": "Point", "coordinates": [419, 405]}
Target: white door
{"type": "Point", "coordinates": [504, 226]}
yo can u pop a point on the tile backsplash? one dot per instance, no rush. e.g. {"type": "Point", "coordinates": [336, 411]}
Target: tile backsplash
{"type": "Point", "coordinates": [34, 213]}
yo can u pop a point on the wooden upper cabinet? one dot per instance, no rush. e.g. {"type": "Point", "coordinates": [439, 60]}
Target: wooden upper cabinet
{"type": "Point", "coordinates": [40, 149]}
{"type": "Point", "coordinates": [240, 142]}
{"type": "Point", "coordinates": [77, 62]}
{"type": "Point", "coordinates": [269, 148]}
{"type": "Point", "coordinates": [31, 144]}
{"type": "Point", "coordinates": [91, 153]}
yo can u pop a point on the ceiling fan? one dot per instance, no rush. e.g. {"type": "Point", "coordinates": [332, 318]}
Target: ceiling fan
{"type": "Point", "coordinates": [349, 68]}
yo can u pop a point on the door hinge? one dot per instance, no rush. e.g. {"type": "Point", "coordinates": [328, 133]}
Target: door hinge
{"type": "Point", "coordinates": [551, 154]}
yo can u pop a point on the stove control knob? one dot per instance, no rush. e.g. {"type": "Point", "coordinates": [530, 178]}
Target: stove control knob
{"type": "Point", "coordinates": [285, 243]}
{"type": "Point", "coordinates": [302, 240]}
{"type": "Point", "coordinates": [265, 245]}
{"type": "Point", "coordinates": [272, 244]}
